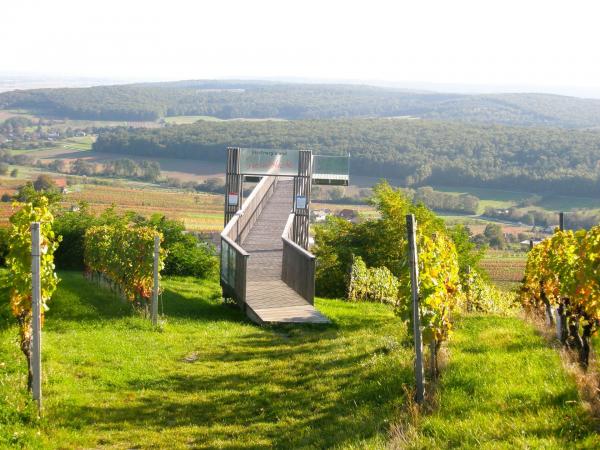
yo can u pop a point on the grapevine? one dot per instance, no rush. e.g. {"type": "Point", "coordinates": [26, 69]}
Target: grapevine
{"type": "Point", "coordinates": [19, 265]}
{"type": "Point", "coordinates": [562, 275]}
{"type": "Point", "coordinates": [123, 256]}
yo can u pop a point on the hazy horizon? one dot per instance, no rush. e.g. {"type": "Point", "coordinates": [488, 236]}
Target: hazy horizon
{"type": "Point", "coordinates": [12, 81]}
{"type": "Point", "coordinates": [464, 46]}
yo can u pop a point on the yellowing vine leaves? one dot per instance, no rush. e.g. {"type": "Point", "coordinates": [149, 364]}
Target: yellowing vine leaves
{"type": "Point", "coordinates": [562, 275]}
{"type": "Point", "coordinates": [19, 265]}
{"type": "Point", "coordinates": [125, 256]}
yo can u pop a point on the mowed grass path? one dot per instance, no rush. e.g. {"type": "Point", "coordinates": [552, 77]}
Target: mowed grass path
{"type": "Point", "coordinates": [504, 388]}
{"type": "Point", "coordinates": [210, 379]}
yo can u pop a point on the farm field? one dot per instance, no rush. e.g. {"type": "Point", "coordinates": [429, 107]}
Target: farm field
{"type": "Point", "coordinates": [211, 379]}
{"type": "Point", "coordinates": [198, 211]}
{"type": "Point", "coordinates": [505, 268]}
{"type": "Point", "coordinates": [185, 170]}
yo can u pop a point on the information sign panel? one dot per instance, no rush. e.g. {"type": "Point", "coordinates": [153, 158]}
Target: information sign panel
{"type": "Point", "coordinates": [300, 202]}
{"type": "Point", "coordinates": [232, 198]}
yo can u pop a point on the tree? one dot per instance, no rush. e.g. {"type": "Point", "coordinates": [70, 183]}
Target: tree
{"type": "Point", "coordinates": [44, 183]}
{"type": "Point", "coordinates": [14, 173]}
{"type": "Point", "coordinates": [494, 235]}
{"type": "Point", "coordinates": [468, 253]}
{"type": "Point", "coordinates": [28, 194]}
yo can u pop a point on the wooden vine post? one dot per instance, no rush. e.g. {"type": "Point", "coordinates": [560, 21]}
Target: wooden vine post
{"type": "Point", "coordinates": [561, 317]}
{"type": "Point", "coordinates": [36, 322]}
{"type": "Point", "coordinates": [411, 227]}
{"type": "Point", "coordinates": [155, 286]}
{"type": "Point", "coordinates": [561, 221]}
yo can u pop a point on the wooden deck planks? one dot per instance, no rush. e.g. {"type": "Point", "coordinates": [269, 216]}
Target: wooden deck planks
{"type": "Point", "coordinates": [268, 298]}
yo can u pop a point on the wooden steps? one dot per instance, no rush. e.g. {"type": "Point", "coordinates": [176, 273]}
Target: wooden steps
{"type": "Point", "coordinates": [268, 298]}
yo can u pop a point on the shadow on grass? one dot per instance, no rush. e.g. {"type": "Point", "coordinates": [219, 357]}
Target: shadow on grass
{"type": "Point", "coordinates": [80, 300]}
{"type": "Point", "coordinates": [499, 366]}
{"type": "Point", "coordinates": [277, 388]}
{"type": "Point", "coordinates": [203, 305]}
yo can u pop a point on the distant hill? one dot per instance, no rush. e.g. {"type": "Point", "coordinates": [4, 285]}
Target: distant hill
{"type": "Point", "coordinates": [420, 152]}
{"type": "Point", "coordinates": [256, 99]}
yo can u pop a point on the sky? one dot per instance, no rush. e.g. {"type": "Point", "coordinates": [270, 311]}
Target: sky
{"type": "Point", "coordinates": [526, 44]}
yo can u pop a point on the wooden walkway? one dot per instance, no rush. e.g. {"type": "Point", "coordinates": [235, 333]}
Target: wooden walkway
{"type": "Point", "coordinates": [268, 298]}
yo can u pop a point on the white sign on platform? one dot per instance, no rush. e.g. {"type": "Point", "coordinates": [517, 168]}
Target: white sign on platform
{"type": "Point", "coordinates": [300, 202]}
{"type": "Point", "coordinates": [232, 199]}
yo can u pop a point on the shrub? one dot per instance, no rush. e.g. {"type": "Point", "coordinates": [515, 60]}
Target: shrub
{"type": "Point", "coordinates": [375, 284]}
{"type": "Point", "coordinates": [192, 259]}
{"type": "Point", "coordinates": [186, 255]}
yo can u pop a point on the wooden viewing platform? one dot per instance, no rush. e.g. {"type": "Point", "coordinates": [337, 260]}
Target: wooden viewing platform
{"type": "Point", "coordinates": [254, 245]}
{"type": "Point", "coordinates": [268, 297]}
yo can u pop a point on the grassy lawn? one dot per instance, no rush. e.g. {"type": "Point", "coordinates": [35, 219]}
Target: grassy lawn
{"type": "Point", "coordinates": [498, 198]}
{"type": "Point", "coordinates": [504, 388]}
{"type": "Point", "coordinates": [210, 379]}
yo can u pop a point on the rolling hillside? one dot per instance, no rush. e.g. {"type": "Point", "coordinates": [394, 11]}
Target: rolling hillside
{"type": "Point", "coordinates": [247, 99]}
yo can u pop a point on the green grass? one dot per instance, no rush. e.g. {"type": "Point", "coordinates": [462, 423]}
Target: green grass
{"type": "Point", "coordinates": [110, 380]}
{"type": "Point", "coordinates": [211, 379]}
{"type": "Point", "coordinates": [498, 198]}
{"type": "Point", "coordinates": [504, 388]}
{"type": "Point", "coordinates": [569, 203]}
{"type": "Point", "coordinates": [488, 198]}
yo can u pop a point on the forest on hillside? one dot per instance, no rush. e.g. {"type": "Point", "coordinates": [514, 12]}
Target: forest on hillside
{"type": "Point", "coordinates": [417, 152]}
{"type": "Point", "coordinates": [246, 99]}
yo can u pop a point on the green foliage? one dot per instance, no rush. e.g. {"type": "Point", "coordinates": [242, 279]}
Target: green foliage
{"type": "Point", "coordinates": [375, 284]}
{"type": "Point", "coordinates": [442, 201]}
{"type": "Point", "coordinates": [125, 256]}
{"type": "Point", "coordinates": [439, 283]}
{"type": "Point", "coordinates": [72, 225]}
{"type": "Point", "coordinates": [19, 265]}
{"type": "Point", "coordinates": [564, 272]}
{"type": "Point", "coordinates": [261, 99]}
{"type": "Point", "coordinates": [469, 256]}
{"type": "Point", "coordinates": [29, 194]}
{"type": "Point", "coordinates": [186, 254]}
{"type": "Point", "coordinates": [482, 296]}
{"type": "Point", "coordinates": [494, 236]}
{"type": "Point", "coordinates": [414, 152]}
{"type": "Point", "coordinates": [44, 183]}
{"type": "Point", "coordinates": [382, 245]}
